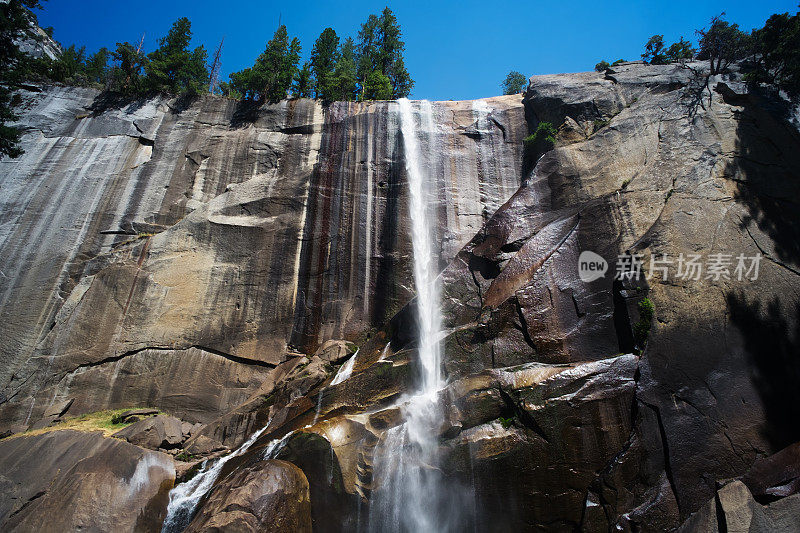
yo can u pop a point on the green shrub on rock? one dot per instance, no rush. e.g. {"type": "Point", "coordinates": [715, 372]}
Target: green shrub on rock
{"type": "Point", "coordinates": [544, 137]}
{"type": "Point", "coordinates": [642, 328]}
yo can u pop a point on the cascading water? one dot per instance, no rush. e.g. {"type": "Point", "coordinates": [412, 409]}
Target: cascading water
{"type": "Point", "coordinates": [183, 499]}
{"type": "Point", "coordinates": [412, 496]}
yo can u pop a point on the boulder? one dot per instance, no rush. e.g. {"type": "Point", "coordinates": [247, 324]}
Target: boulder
{"type": "Point", "coordinates": [775, 476]}
{"type": "Point", "coordinates": [734, 510]}
{"type": "Point", "coordinates": [76, 481]}
{"type": "Point", "coordinates": [335, 351]}
{"type": "Point", "coordinates": [265, 496]}
{"type": "Point", "coordinates": [160, 431]}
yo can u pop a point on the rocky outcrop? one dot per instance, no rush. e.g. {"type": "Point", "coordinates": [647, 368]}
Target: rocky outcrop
{"type": "Point", "coordinates": [160, 431]}
{"type": "Point", "coordinates": [71, 480]}
{"type": "Point", "coordinates": [734, 509]}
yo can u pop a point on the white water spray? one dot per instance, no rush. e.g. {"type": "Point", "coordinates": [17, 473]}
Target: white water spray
{"type": "Point", "coordinates": [183, 499]}
{"type": "Point", "coordinates": [425, 263]}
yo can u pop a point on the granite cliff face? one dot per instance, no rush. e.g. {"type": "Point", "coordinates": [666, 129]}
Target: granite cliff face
{"type": "Point", "coordinates": [221, 263]}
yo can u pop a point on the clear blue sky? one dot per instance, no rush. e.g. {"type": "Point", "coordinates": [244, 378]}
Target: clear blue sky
{"type": "Point", "coordinates": [454, 50]}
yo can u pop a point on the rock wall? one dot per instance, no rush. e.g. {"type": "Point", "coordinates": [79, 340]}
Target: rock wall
{"type": "Point", "coordinates": [196, 256]}
{"type": "Point", "coordinates": [147, 238]}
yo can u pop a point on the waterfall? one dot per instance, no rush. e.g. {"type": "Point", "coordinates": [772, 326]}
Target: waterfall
{"type": "Point", "coordinates": [412, 495]}
{"type": "Point", "coordinates": [345, 370]}
{"type": "Point", "coordinates": [183, 499]}
{"type": "Point", "coordinates": [425, 261]}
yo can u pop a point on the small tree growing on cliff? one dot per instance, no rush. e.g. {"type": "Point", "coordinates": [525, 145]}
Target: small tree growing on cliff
{"type": "Point", "coordinates": [680, 51]}
{"type": "Point", "coordinates": [776, 53]}
{"type": "Point", "coordinates": [514, 83]}
{"type": "Point", "coordinates": [722, 43]}
{"type": "Point", "coordinates": [654, 50]}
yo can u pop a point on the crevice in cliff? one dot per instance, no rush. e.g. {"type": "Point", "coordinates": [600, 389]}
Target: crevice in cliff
{"type": "Point", "coordinates": [499, 126]}
{"type": "Point", "coordinates": [523, 326]}
{"type": "Point", "coordinates": [225, 355]}
{"type": "Point", "coordinates": [27, 503]}
{"type": "Point", "coordinates": [767, 256]}
{"type": "Point", "coordinates": [527, 420]}
{"type": "Point", "coordinates": [665, 450]}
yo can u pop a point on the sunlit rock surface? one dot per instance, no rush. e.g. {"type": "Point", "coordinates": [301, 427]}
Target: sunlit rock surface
{"type": "Point", "coordinates": [71, 480]}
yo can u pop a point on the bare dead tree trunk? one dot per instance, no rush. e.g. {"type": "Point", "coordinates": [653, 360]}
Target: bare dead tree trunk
{"type": "Point", "coordinates": [215, 66]}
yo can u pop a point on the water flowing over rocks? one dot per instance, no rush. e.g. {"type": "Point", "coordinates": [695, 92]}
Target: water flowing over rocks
{"type": "Point", "coordinates": [223, 264]}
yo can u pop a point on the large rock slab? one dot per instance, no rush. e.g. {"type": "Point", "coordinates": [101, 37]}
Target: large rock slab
{"type": "Point", "coordinates": [169, 231]}
{"type": "Point", "coordinates": [70, 480]}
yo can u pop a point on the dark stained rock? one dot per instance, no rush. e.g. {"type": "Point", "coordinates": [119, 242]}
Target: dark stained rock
{"type": "Point", "coordinates": [536, 470]}
{"type": "Point", "coordinates": [160, 431]}
{"type": "Point", "coordinates": [265, 496]}
{"type": "Point", "coordinates": [69, 480]}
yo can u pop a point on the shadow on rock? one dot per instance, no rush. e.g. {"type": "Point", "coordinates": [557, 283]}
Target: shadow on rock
{"type": "Point", "coordinates": [772, 341]}
{"type": "Point", "coordinates": [766, 167]}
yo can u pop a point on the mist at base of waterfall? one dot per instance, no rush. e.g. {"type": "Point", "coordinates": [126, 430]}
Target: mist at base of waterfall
{"type": "Point", "coordinates": [413, 494]}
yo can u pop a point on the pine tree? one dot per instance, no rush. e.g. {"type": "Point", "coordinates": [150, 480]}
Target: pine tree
{"type": "Point", "coordinates": [324, 57]}
{"type": "Point", "coordinates": [722, 44]}
{"type": "Point", "coordinates": [15, 19]}
{"type": "Point", "coordinates": [378, 86]}
{"type": "Point", "coordinates": [127, 76]}
{"type": "Point", "coordinates": [654, 50]}
{"type": "Point", "coordinates": [303, 83]}
{"type": "Point", "coordinates": [173, 68]}
{"type": "Point", "coordinates": [680, 51]}
{"type": "Point", "coordinates": [515, 82]}
{"type": "Point", "coordinates": [776, 54]}
{"type": "Point", "coordinates": [380, 49]}
{"type": "Point", "coordinates": [96, 66]}
{"type": "Point", "coordinates": [271, 77]}
{"type": "Point", "coordinates": [69, 67]}
{"type": "Point", "coordinates": [344, 79]}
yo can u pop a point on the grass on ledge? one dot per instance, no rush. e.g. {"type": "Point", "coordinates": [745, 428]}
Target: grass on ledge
{"type": "Point", "coordinates": [97, 421]}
